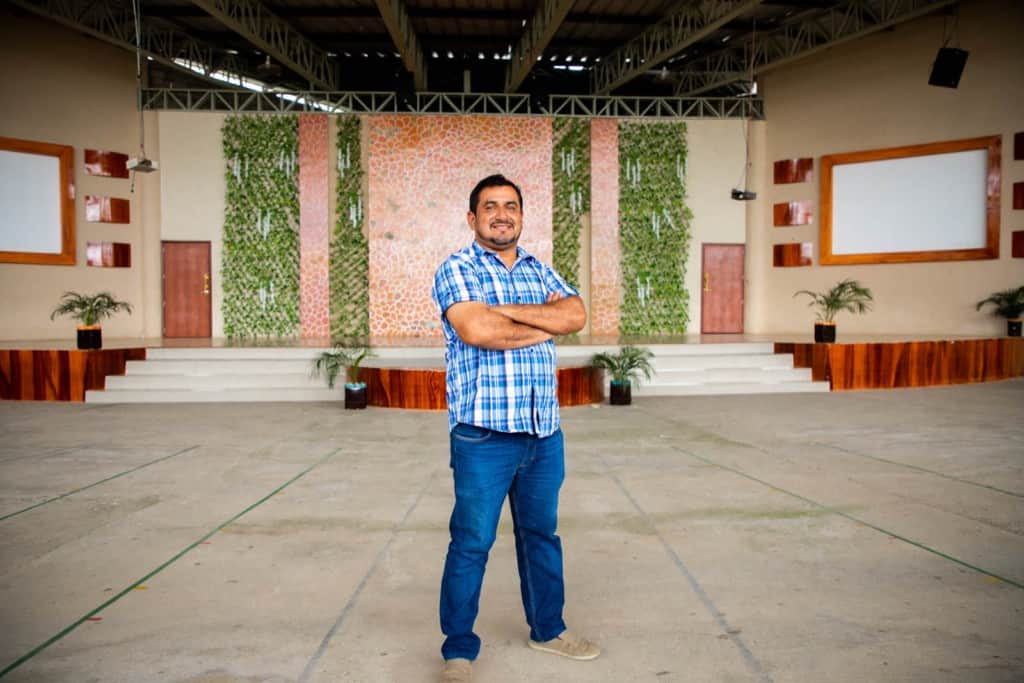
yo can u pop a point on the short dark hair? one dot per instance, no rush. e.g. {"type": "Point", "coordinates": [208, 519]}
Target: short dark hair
{"type": "Point", "coordinates": [496, 180]}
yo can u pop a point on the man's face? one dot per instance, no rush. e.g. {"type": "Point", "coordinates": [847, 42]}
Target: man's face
{"type": "Point", "coordinates": [498, 218]}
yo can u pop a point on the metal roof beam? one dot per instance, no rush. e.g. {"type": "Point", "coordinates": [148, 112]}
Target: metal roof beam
{"type": "Point", "coordinates": [687, 25]}
{"type": "Point", "coordinates": [538, 33]}
{"type": "Point", "coordinates": [114, 23]}
{"type": "Point", "coordinates": [396, 18]}
{"type": "Point", "coordinates": [799, 39]}
{"type": "Point", "coordinates": [250, 19]}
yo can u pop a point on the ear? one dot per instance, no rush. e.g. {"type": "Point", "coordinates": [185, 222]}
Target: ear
{"type": "Point", "coordinates": [471, 220]}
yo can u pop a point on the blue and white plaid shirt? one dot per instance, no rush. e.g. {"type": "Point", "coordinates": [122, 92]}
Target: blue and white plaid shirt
{"type": "Point", "coordinates": [507, 391]}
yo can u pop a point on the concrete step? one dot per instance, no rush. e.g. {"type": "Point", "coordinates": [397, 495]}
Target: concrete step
{"type": "Point", "coordinates": [725, 374]}
{"type": "Point", "coordinates": [731, 388]}
{"type": "Point", "coordinates": [240, 395]}
{"type": "Point", "coordinates": [753, 360]}
{"type": "Point", "coordinates": [223, 366]}
{"type": "Point", "coordinates": [214, 381]}
{"type": "Point", "coordinates": [660, 350]}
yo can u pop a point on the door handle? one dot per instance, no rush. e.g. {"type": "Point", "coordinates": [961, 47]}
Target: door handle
{"type": "Point", "coordinates": [707, 282]}
{"type": "Point", "coordinates": [206, 283]}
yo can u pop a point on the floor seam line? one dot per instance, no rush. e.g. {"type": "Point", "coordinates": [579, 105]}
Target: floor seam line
{"type": "Point", "coordinates": [307, 672]}
{"type": "Point", "coordinates": [748, 657]}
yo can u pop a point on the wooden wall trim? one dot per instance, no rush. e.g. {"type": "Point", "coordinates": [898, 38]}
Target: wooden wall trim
{"type": "Point", "coordinates": [909, 364]}
{"type": "Point", "coordinates": [41, 375]}
{"type": "Point", "coordinates": [425, 389]}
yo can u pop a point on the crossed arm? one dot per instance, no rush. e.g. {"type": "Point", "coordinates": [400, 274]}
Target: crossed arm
{"type": "Point", "coordinates": [513, 326]}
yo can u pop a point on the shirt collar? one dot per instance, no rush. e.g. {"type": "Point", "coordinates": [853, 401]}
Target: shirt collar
{"type": "Point", "coordinates": [480, 252]}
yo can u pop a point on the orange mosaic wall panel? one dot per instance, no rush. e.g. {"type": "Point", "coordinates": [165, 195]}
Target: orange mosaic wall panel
{"type": "Point", "coordinates": [314, 225]}
{"type": "Point", "coordinates": [604, 226]}
{"type": "Point", "coordinates": [421, 170]}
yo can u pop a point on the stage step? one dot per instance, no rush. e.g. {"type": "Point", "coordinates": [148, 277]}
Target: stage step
{"type": "Point", "coordinates": [729, 388]}
{"type": "Point", "coordinates": [214, 395]}
{"type": "Point", "coordinates": [244, 374]}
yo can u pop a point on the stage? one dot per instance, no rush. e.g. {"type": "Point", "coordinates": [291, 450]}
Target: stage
{"type": "Point", "coordinates": [409, 372]}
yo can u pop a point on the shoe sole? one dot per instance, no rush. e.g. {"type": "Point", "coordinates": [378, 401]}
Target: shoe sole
{"type": "Point", "coordinates": [539, 647]}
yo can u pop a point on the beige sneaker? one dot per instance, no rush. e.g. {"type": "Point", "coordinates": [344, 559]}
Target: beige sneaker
{"type": "Point", "coordinates": [568, 645]}
{"type": "Point", "coordinates": [457, 671]}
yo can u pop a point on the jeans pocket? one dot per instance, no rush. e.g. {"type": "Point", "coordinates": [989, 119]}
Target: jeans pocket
{"type": "Point", "coordinates": [470, 433]}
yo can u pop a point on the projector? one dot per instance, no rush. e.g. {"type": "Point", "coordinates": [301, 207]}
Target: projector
{"type": "Point", "coordinates": [142, 165]}
{"type": "Point", "coordinates": [743, 195]}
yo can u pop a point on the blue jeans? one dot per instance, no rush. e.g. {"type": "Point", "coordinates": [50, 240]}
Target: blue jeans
{"type": "Point", "coordinates": [487, 466]}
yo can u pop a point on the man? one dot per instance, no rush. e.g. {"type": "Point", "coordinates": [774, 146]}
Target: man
{"type": "Point", "coordinates": [500, 309]}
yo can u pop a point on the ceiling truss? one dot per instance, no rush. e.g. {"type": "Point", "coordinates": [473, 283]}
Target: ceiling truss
{"type": "Point", "coordinates": [114, 23]}
{"type": "Point", "coordinates": [668, 37]}
{"type": "Point", "coordinates": [497, 104]}
{"type": "Point", "coordinates": [539, 32]}
{"type": "Point", "coordinates": [399, 25]}
{"type": "Point", "coordinates": [250, 19]}
{"type": "Point", "coordinates": [798, 39]}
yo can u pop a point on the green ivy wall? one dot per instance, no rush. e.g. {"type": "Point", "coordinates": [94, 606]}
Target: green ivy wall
{"type": "Point", "coordinates": [654, 228]}
{"type": "Point", "coordinates": [570, 174]}
{"type": "Point", "coordinates": [349, 252]}
{"type": "Point", "coordinates": [260, 265]}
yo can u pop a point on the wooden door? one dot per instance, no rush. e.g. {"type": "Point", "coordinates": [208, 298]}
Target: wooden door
{"type": "Point", "coordinates": [721, 299]}
{"type": "Point", "coordinates": [186, 284]}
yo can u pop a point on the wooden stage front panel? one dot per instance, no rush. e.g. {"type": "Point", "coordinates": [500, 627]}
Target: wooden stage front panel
{"type": "Point", "coordinates": [909, 364]}
{"type": "Point", "coordinates": [424, 389]}
{"type": "Point", "coordinates": [59, 375]}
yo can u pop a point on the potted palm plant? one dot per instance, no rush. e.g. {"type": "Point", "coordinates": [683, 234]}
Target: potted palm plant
{"type": "Point", "coordinates": [625, 367]}
{"type": "Point", "coordinates": [847, 295]}
{"type": "Point", "coordinates": [89, 310]}
{"type": "Point", "coordinates": [340, 357]}
{"type": "Point", "coordinates": [1008, 304]}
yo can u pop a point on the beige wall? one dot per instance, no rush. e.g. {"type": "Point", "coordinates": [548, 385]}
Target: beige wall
{"type": "Point", "coordinates": [714, 166]}
{"type": "Point", "coordinates": [873, 93]}
{"type": "Point", "coordinates": [192, 188]}
{"type": "Point", "coordinates": [57, 86]}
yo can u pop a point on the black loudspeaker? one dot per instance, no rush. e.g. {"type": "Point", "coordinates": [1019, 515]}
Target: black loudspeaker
{"type": "Point", "coordinates": [948, 67]}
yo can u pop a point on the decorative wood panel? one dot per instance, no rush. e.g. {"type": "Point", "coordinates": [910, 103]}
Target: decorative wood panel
{"type": "Point", "coordinates": [1018, 195]}
{"type": "Point", "coordinates": [792, 255]}
{"type": "Point", "coordinates": [910, 364]}
{"type": "Point", "coordinates": [792, 213]}
{"type": "Point", "coordinates": [1018, 147]}
{"type": "Point", "coordinates": [35, 375]}
{"type": "Point", "coordinates": [108, 254]}
{"type": "Point", "coordinates": [424, 389]}
{"type": "Point", "coordinates": [107, 209]}
{"type": "Point", "coordinates": [110, 164]}
{"type": "Point", "coordinates": [1017, 248]}
{"type": "Point", "coordinates": [793, 170]}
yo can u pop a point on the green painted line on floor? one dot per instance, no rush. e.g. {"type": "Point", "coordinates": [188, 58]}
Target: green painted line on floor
{"type": "Point", "coordinates": [850, 517]}
{"type": "Point", "coordinates": [39, 648]}
{"type": "Point", "coordinates": [102, 481]}
{"type": "Point", "coordinates": [915, 467]}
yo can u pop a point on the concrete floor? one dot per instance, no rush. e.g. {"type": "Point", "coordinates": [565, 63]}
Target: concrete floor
{"type": "Point", "coordinates": [856, 536]}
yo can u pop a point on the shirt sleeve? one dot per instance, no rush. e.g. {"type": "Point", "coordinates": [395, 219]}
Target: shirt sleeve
{"type": "Point", "coordinates": [454, 282]}
{"type": "Point", "coordinates": [554, 282]}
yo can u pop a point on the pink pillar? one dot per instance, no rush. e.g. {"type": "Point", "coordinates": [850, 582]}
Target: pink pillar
{"type": "Point", "coordinates": [604, 226]}
{"type": "Point", "coordinates": [314, 226]}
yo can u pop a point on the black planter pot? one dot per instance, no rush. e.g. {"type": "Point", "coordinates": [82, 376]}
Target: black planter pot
{"type": "Point", "coordinates": [1013, 328]}
{"type": "Point", "coordinates": [90, 337]}
{"type": "Point", "coordinates": [622, 394]}
{"type": "Point", "coordinates": [825, 332]}
{"type": "Point", "coordinates": [355, 396]}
